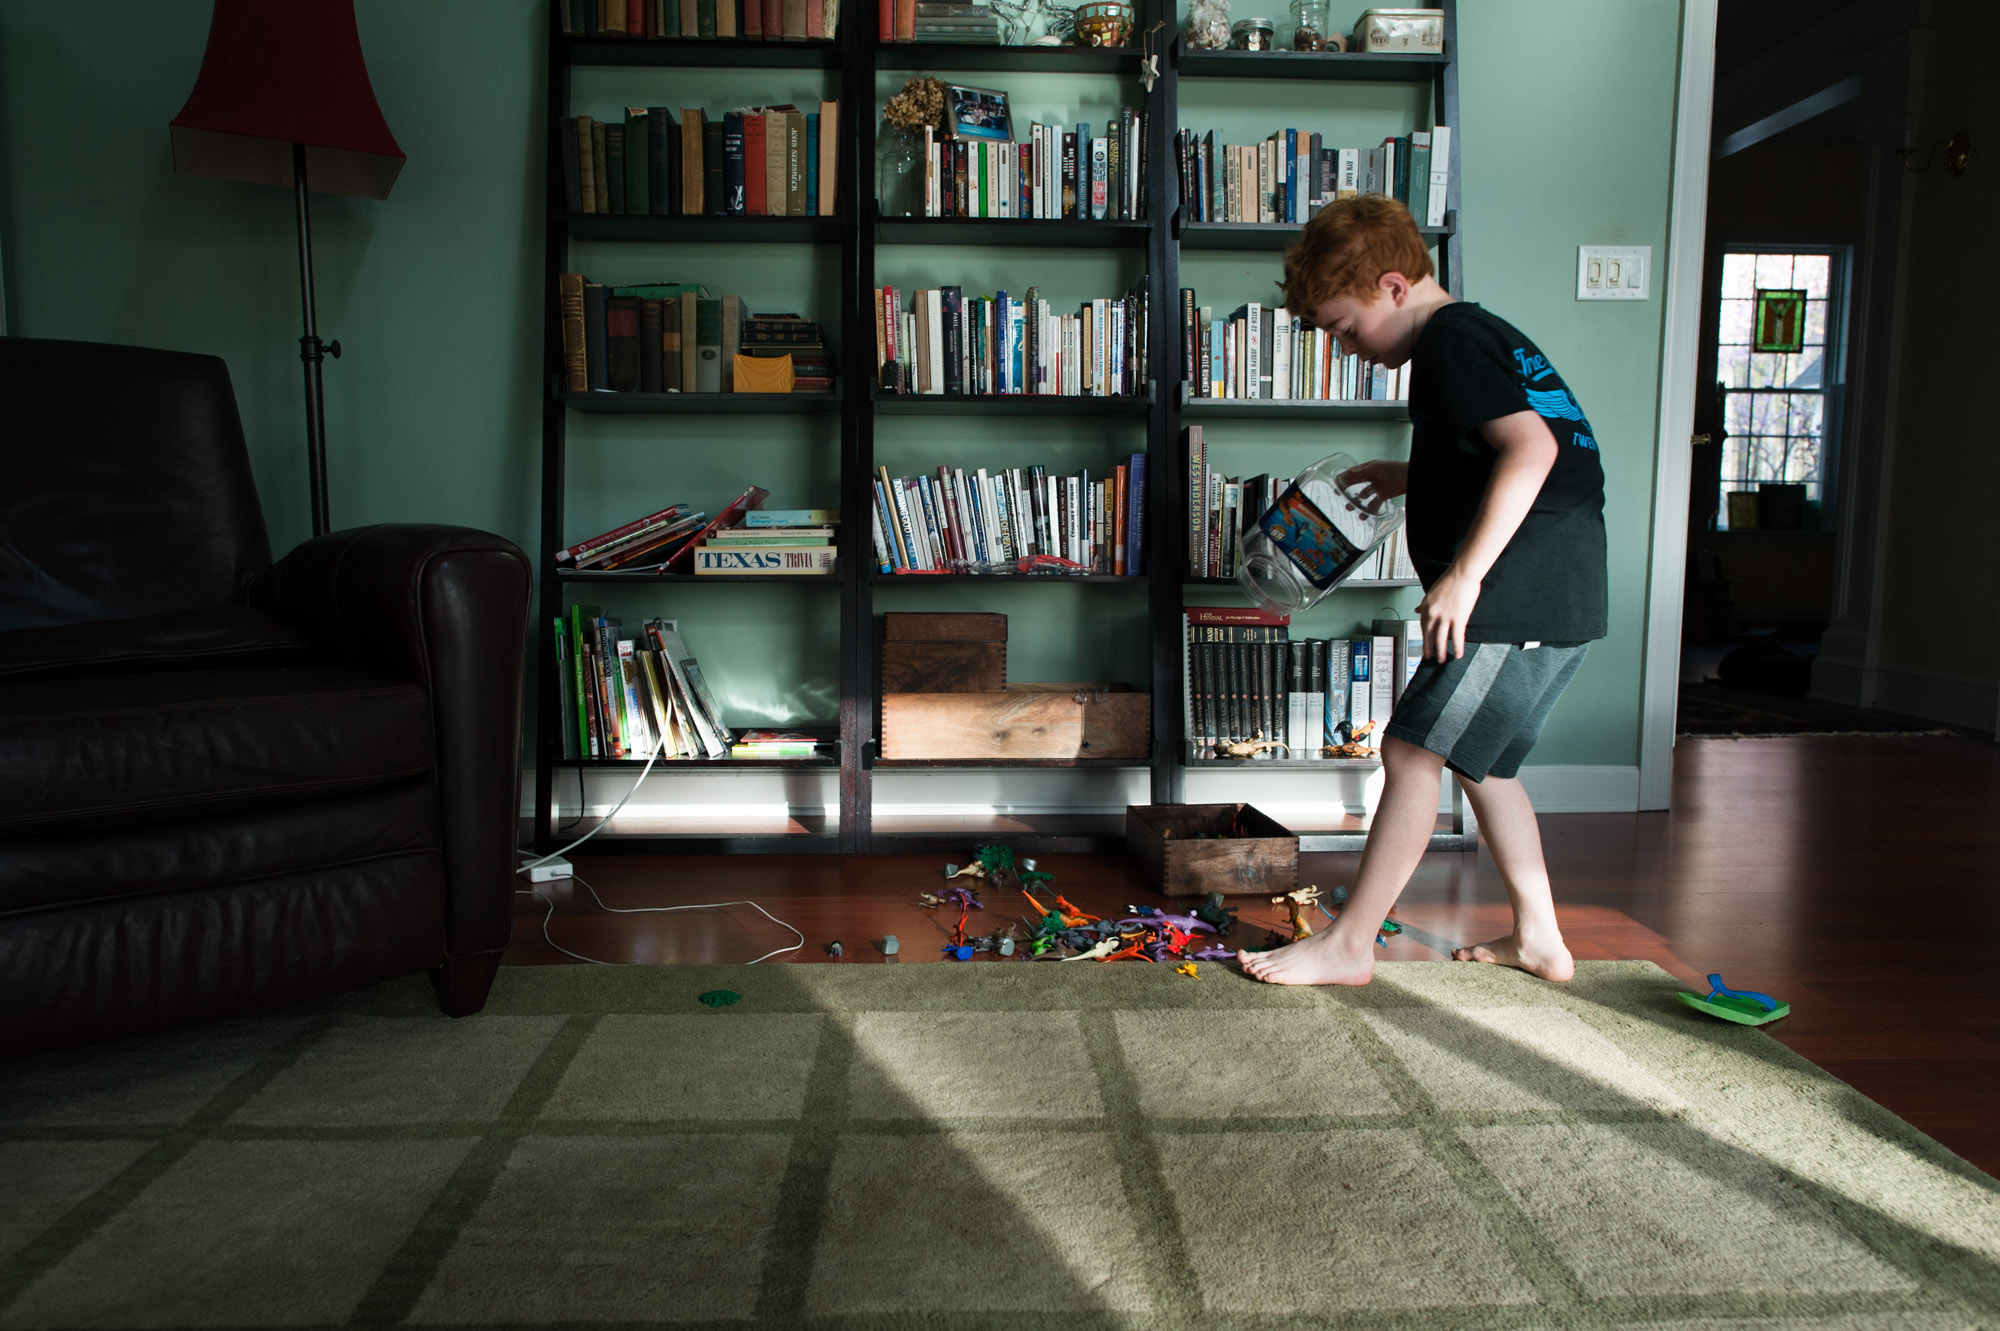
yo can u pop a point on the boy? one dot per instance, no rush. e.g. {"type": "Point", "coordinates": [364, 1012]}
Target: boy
{"type": "Point", "coordinates": [1505, 525]}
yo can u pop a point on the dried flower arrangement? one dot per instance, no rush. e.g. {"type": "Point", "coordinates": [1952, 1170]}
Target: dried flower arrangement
{"type": "Point", "coordinates": [920, 103]}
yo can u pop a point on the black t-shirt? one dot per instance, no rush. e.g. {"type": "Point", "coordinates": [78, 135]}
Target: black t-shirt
{"type": "Point", "coordinates": [1470, 367]}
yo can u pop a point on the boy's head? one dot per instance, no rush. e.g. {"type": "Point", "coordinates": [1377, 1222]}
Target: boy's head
{"type": "Point", "coordinates": [1347, 247]}
{"type": "Point", "coordinates": [1354, 271]}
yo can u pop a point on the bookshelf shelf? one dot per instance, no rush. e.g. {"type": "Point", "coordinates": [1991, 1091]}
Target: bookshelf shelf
{"type": "Point", "coordinates": [901, 56]}
{"type": "Point", "coordinates": [1285, 764]}
{"type": "Point", "coordinates": [1326, 66]}
{"type": "Point", "coordinates": [1262, 235]}
{"type": "Point", "coordinates": [672, 51]}
{"type": "Point", "coordinates": [882, 579]}
{"type": "Point", "coordinates": [1009, 404]}
{"type": "Point", "coordinates": [1354, 585]}
{"type": "Point", "coordinates": [1258, 408]}
{"type": "Point", "coordinates": [977, 764]}
{"type": "Point", "coordinates": [734, 404]}
{"type": "Point", "coordinates": [680, 230]}
{"type": "Point", "coordinates": [679, 764]}
{"type": "Point", "coordinates": [1010, 231]}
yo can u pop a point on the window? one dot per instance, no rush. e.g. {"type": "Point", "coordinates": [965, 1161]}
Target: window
{"type": "Point", "coordinates": [1780, 408]}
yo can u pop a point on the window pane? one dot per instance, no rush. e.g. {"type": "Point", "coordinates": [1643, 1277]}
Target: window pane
{"type": "Point", "coordinates": [1767, 415]}
{"type": "Point", "coordinates": [1815, 323]}
{"type": "Point", "coordinates": [1739, 278]}
{"type": "Point", "coordinates": [1735, 327]}
{"type": "Point", "coordinates": [1732, 367]}
{"type": "Point", "coordinates": [1774, 272]}
{"type": "Point", "coordinates": [1802, 370]}
{"type": "Point", "coordinates": [1732, 461]}
{"type": "Point", "coordinates": [1767, 369]}
{"type": "Point", "coordinates": [1736, 416]}
{"type": "Point", "coordinates": [1810, 271]}
{"type": "Point", "coordinates": [1767, 458]}
{"type": "Point", "coordinates": [1808, 411]}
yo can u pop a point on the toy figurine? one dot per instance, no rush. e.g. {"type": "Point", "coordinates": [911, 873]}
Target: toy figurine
{"type": "Point", "coordinates": [1215, 913]}
{"type": "Point", "coordinates": [1187, 968]}
{"type": "Point", "coordinates": [1297, 901]}
{"type": "Point", "coordinates": [1248, 748]}
{"type": "Point", "coordinates": [833, 948]}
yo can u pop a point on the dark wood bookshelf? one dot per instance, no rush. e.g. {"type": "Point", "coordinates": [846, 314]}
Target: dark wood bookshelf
{"type": "Point", "coordinates": [680, 229]}
{"type": "Point", "coordinates": [1263, 235]}
{"type": "Point", "coordinates": [1033, 232]}
{"type": "Point", "coordinates": [1004, 404]}
{"type": "Point", "coordinates": [721, 51]}
{"type": "Point", "coordinates": [914, 56]}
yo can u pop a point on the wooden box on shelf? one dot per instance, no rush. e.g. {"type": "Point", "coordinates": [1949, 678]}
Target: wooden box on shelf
{"type": "Point", "coordinates": [1030, 720]}
{"type": "Point", "coordinates": [944, 653]}
{"type": "Point", "coordinates": [1177, 847]}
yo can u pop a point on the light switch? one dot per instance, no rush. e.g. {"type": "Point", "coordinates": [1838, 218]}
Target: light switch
{"type": "Point", "coordinates": [1613, 272]}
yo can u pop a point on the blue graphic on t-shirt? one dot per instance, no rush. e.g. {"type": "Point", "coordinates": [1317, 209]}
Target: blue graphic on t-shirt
{"type": "Point", "coordinates": [1555, 402]}
{"type": "Point", "coordinates": [1532, 367]}
{"type": "Point", "coordinates": [1582, 440]}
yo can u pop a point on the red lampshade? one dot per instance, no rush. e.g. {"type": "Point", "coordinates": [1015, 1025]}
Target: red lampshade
{"type": "Point", "coordinates": [276, 74]}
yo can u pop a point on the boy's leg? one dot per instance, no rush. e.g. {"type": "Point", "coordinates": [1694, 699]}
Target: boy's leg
{"type": "Point", "coordinates": [1404, 819]}
{"type": "Point", "coordinates": [1507, 822]}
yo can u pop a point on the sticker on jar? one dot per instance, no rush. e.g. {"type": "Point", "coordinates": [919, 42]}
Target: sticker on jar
{"type": "Point", "coordinates": [1309, 539]}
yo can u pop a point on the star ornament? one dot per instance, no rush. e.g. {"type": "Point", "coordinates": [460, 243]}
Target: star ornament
{"type": "Point", "coordinates": [1149, 69]}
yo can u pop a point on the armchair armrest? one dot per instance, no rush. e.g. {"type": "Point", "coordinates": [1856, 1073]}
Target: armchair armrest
{"type": "Point", "coordinates": [446, 607]}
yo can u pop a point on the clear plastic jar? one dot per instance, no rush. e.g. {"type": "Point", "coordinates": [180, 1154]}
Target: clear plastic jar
{"type": "Point", "coordinates": [1309, 25]}
{"type": "Point", "coordinates": [1253, 34]}
{"type": "Point", "coordinates": [1314, 536]}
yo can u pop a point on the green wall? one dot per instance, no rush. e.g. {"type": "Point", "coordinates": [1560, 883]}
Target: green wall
{"type": "Point", "coordinates": [435, 294]}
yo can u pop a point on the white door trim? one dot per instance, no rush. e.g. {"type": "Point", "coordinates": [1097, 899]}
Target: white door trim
{"type": "Point", "coordinates": [1679, 358]}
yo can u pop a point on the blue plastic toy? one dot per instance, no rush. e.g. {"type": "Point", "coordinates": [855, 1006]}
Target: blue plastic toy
{"type": "Point", "coordinates": [1745, 1007]}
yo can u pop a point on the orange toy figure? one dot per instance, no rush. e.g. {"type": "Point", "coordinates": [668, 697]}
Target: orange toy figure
{"type": "Point", "coordinates": [1297, 901]}
{"type": "Point", "coordinates": [1072, 917]}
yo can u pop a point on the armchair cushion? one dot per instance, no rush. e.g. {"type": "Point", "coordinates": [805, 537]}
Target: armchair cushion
{"type": "Point", "coordinates": [82, 756]}
{"type": "Point", "coordinates": [224, 635]}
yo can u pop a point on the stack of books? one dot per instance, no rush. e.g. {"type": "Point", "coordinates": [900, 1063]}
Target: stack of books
{"type": "Point", "coordinates": [942, 341]}
{"type": "Point", "coordinates": [793, 541]}
{"type": "Point", "coordinates": [645, 544]}
{"type": "Point", "coordinates": [773, 744]}
{"type": "Point", "coordinates": [770, 335]}
{"type": "Point", "coordinates": [967, 21]}
{"type": "Point", "coordinates": [754, 161]}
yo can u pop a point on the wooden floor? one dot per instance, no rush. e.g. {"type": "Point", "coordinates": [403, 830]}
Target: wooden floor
{"type": "Point", "coordinates": [1857, 878]}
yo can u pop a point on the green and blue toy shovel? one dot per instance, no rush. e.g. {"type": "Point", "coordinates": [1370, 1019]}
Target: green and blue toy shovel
{"type": "Point", "coordinates": [1745, 1007]}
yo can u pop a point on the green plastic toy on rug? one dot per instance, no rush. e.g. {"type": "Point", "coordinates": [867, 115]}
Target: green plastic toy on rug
{"type": "Point", "coordinates": [1746, 1007]}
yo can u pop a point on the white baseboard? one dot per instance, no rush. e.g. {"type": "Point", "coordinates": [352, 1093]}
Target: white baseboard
{"type": "Point", "coordinates": [972, 793]}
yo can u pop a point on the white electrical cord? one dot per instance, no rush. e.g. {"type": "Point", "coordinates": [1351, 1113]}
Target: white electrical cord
{"type": "Point", "coordinates": [549, 914]}
{"type": "Point", "coordinates": [603, 822]}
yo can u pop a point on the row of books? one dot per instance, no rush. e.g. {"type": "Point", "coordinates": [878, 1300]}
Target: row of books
{"type": "Point", "coordinates": [677, 337]}
{"type": "Point", "coordinates": [754, 20]}
{"type": "Point", "coordinates": [957, 521]}
{"type": "Point", "coordinates": [632, 697]}
{"type": "Point", "coordinates": [754, 161]}
{"type": "Point", "coordinates": [1289, 176]}
{"type": "Point", "coordinates": [939, 341]}
{"type": "Point", "coordinates": [1056, 174]}
{"type": "Point", "coordinates": [1233, 505]}
{"type": "Point", "coordinates": [1265, 351]}
{"type": "Point", "coordinates": [1246, 678]}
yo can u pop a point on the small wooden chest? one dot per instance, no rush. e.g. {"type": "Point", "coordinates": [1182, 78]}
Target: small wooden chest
{"type": "Point", "coordinates": [1176, 846]}
{"type": "Point", "coordinates": [944, 653]}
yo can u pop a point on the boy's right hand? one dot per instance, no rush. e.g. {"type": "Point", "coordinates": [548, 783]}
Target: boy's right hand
{"type": "Point", "coordinates": [1379, 480]}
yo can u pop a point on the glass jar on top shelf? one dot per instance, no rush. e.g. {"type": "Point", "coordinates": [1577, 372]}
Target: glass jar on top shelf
{"type": "Point", "coordinates": [899, 171]}
{"type": "Point", "coordinates": [1309, 25]}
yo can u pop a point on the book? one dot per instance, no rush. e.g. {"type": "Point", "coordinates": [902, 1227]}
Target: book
{"type": "Point", "coordinates": [686, 671]}
{"type": "Point", "coordinates": [727, 559]}
{"type": "Point", "coordinates": [733, 513]}
{"type": "Point", "coordinates": [829, 154]}
{"type": "Point", "coordinates": [708, 346]}
{"type": "Point", "coordinates": [640, 524]}
{"type": "Point", "coordinates": [691, 168]}
{"type": "Point", "coordinates": [792, 517]}
{"type": "Point", "coordinates": [802, 535]}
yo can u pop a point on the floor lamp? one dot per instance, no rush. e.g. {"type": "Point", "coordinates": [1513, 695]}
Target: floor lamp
{"type": "Point", "coordinates": [283, 99]}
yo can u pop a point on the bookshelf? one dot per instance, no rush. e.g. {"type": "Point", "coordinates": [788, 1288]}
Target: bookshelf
{"type": "Point", "coordinates": [1152, 420]}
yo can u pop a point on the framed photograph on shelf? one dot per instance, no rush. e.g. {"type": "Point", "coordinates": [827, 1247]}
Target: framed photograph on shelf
{"type": "Point", "coordinates": [978, 113]}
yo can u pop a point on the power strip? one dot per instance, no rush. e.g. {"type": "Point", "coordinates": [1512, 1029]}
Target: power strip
{"type": "Point", "coordinates": [551, 870]}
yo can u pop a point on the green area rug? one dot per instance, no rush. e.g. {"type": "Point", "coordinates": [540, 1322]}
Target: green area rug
{"type": "Point", "coordinates": [993, 1145]}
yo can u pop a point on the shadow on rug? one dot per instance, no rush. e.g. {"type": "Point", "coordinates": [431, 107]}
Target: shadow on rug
{"type": "Point", "coordinates": [935, 1146]}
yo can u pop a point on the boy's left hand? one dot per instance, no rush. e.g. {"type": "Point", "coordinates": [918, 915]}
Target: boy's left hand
{"type": "Point", "coordinates": [1445, 611]}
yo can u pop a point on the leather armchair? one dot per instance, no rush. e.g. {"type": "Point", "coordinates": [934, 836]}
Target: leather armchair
{"type": "Point", "coordinates": [226, 783]}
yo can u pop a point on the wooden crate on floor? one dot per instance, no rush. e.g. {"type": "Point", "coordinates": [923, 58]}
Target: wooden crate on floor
{"type": "Point", "coordinates": [1176, 846]}
{"type": "Point", "coordinates": [1024, 720]}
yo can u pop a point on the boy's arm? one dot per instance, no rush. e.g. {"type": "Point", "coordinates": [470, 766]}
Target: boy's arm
{"type": "Point", "coordinates": [1526, 453]}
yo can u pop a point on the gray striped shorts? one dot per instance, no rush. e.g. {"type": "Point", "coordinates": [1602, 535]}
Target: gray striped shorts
{"type": "Point", "coordinates": [1483, 711]}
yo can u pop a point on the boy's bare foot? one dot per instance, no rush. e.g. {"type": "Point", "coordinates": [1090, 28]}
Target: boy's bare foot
{"type": "Point", "coordinates": [1314, 960]}
{"type": "Point", "coordinates": [1550, 961]}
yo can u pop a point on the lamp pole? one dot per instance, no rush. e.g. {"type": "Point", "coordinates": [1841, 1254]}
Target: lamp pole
{"type": "Point", "coordinates": [313, 352]}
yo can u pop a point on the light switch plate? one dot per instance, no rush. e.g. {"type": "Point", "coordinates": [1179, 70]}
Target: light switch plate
{"type": "Point", "coordinates": [1614, 272]}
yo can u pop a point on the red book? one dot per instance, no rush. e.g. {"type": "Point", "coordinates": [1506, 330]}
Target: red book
{"type": "Point", "coordinates": [753, 156]}
{"type": "Point", "coordinates": [754, 497]}
{"type": "Point", "coordinates": [753, 21]}
{"type": "Point", "coordinates": [906, 20]}
{"type": "Point", "coordinates": [774, 20]}
{"type": "Point", "coordinates": [885, 20]}
{"type": "Point", "coordinates": [1235, 614]}
{"type": "Point", "coordinates": [582, 548]}
{"type": "Point", "coordinates": [635, 18]}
